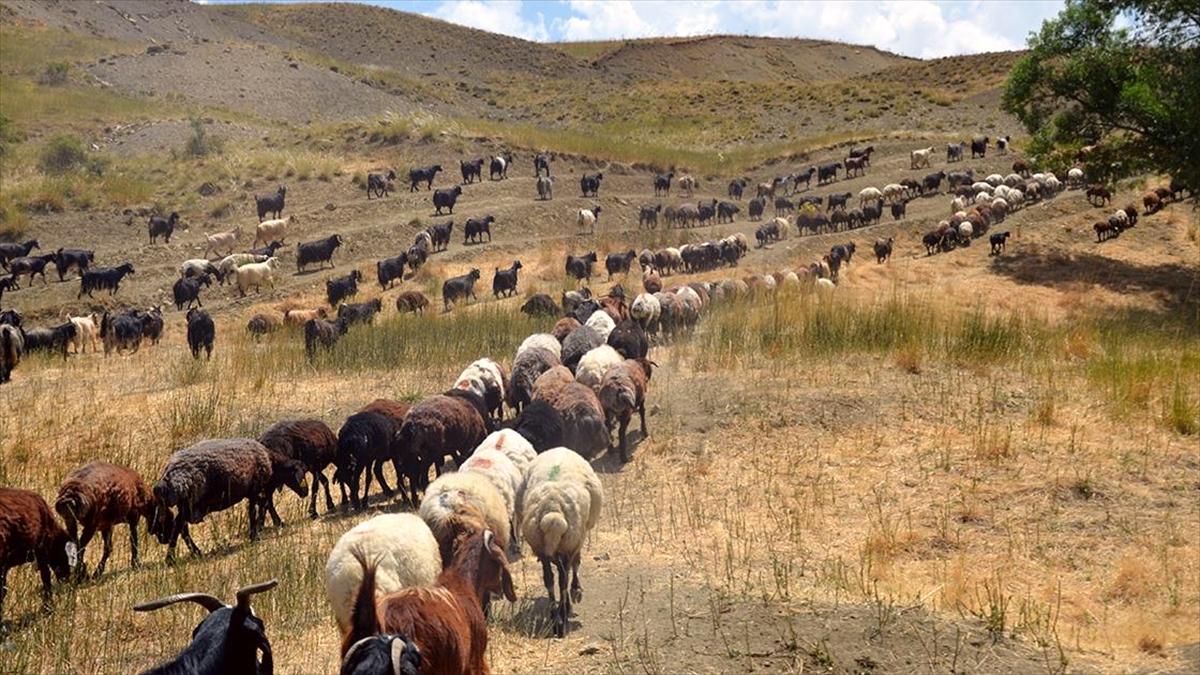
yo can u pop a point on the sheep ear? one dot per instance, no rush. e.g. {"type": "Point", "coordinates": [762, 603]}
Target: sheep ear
{"type": "Point", "coordinates": [72, 554]}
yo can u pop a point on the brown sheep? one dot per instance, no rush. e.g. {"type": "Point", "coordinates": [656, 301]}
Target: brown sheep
{"type": "Point", "coordinates": [1152, 203]}
{"type": "Point", "coordinates": [298, 317]}
{"type": "Point", "coordinates": [28, 530]}
{"type": "Point", "coordinates": [583, 417]}
{"type": "Point", "coordinates": [622, 391]}
{"type": "Point", "coordinates": [96, 498]}
{"type": "Point", "coordinates": [263, 324]}
{"type": "Point", "coordinates": [411, 301]}
{"type": "Point", "coordinates": [564, 327]}
{"type": "Point", "coordinates": [652, 283]}
{"type": "Point", "coordinates": [309, 442]}
{"type": "Point", "coordinates": [449, 424]}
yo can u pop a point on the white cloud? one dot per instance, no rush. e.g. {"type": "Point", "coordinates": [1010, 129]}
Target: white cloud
{"type": "Point", "coordinates": [496, 16]}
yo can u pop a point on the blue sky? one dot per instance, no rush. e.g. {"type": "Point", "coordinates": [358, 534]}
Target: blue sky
{"type": "Point", "coordinates": [922, 28]}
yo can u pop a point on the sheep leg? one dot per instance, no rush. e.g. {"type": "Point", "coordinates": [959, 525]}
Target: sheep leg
{"type": "Point", "coordinates": [133, 543]}
{"type": "Point", "coordinates": [387, 491]}
{"type": "Point", "coordinates": [564, 604]}
{"type": "Point", "coordinates": [106, 537]}
{"type": "Point", "coordinates": [44, 571]}
{"type": "Point", "coordinates": [253, 515]}
{"type": "Point", "coordinates": [271, 510]}
{"type": "Point", "coordinates": [366, 493]}
{"type": "Point", "coordinates": [642, 416]}
{"type": "Point", "coordinates": [548, 578]}
{"type": "Point", "coordinates": [576, 587]}
{"type": "Point", "coordinates": [185, 532]}
{"type": "Point", "coordinates": [3, 590]}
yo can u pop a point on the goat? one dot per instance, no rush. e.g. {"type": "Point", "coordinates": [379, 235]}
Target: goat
{"type": "Point", "coordinates": [272, 204]}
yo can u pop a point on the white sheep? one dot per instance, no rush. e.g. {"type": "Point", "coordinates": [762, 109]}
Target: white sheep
{"type": "Point", "coordinates": [86, 332]}
{"type": "Point", "coordinates": [222, 241]}
{"type": "Point", "coordinates": [593, 365]}
{"type": "Point", "coordinates": [994, 179]}
{"type": "Point", "coordinates": [1053, 184]}
{"type": "Point", "coordinates": [1012, 180]}
{"type": "Point", "coordinates": [675, 257]}
{"type": "Point", "coordinates": [544, 340]}
{"type": "Point", "coordinates": [646, 310]}
{"type": "Point", "coordinates": [486, 379]}
{"type": "Point", "coordinates": [965, 231]}
{"type": "Point", "coordinates": [980, 186]}
{"type": "Point", "coordinates": [500, 471]}
{"type": "Point", "coordinates": [514, 446]}
{"type": "Point", "coordinates": [921, 158]}
{"type": "Point", "coordinates": [403, 550]}
{"type": "Point", "coordinates": [560, 505]}
{"type": "Point", "coordinates": [825, 286]}
{"type": "Point", "coordinates": [866, 195]}
{"type": "Point", "coordinates": [255, 274]}
{"type": "Point", "coordinates": [459, 499]}
{"type": "Point", "coordinates": [893, 192]}
{"type": "Point", "coordinates": [688, 294]}
{"type": "Point", "coordinates": [586, 220]}
{"type": "Point", "coordinates": [1120, 218]}
{"type": "Point", "coordinates": [1075, 177]}
{"type": "Point", "coordinates": [601, 322]}
{"type": "Point", "coordinates": [958, 204]}
{"type": "Point", "coordinates": [273, 230]}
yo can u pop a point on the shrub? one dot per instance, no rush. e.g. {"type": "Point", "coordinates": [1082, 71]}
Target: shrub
{"type": "Point", "coordinates": [62, 154]}
{"type": "Point", "coordinates": [56, 74]}
{"type": "Point", "coordinates": [201, 144]}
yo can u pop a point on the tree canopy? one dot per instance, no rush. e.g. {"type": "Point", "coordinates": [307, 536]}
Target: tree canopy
{"type": "Point", "coordinates": [1120, 75]}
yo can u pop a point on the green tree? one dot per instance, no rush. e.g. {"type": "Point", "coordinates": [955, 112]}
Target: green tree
{"type": "Point", "coordinates": [1121, 75]}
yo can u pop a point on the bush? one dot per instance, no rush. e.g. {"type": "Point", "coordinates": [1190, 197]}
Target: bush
{"type": "Point", "coordinates": [56, 74]}
{"type": "Point", "coordinates": [201, 144]}
{"type": "Point", "coordinates": [61, 155]}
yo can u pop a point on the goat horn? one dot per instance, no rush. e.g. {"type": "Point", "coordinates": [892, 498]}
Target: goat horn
{"type": "Point", "coordinates": [203, 599]}
{"type": "Point", "coordinates": [244, 593]}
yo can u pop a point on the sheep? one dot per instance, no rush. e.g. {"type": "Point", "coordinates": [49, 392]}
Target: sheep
{"type": "Point", "coordinates": [583, 417]}
{"type": "Point", "coordinates": [222, 241]}
{"type": "Point", "coordinates": [541, 425]}
{"type": "Point", "coordinates": [1101, 194]}
{"type": "Point", "coordinates": [338, 289]}
{"type": "Point", "coordinates": [545, 188]}
{"type": "Point", "coordinates": [593, 365]}
{"type": "Point", "coordinates": [512, 445]}
{"type": "Point", "coordinates": [50, 339]}
{"type": "Point", "coordinates": [564, 327]}
{"type": "Point", "coordinates": [263, 324]}
{"type": "Point", "coordinates": [869, 195]}
{"type": "Point", "coordinates": [97, 497]}
{"type": "Point", "coordinates": [211, 476]}
{"type": "Point", "coordinates": [539, 304]}
{"type": "Point", "coordinates": [449, 424]}
{"type": "Point", "coordinates": [472, 170]}
{"type": "Point", "coordinates": [503, 474]}
{"type": "Point", "coordinates": [543, 341]}
{"type": "Point", "coordinates": [504, 282]}
{"type": "Point", "coordinates": [466, 492]}
{"type": "Point", "coordinates": [475, 228]}
{"type": "Point", "coordinates": [623, 391]}
{"type": "Point", "coordinates": [411, 301]}
{"type": "Point", "coordinates": [186, 290]}
{"type": "Point", "coordinates": [162, 227]}
{"type": "Point", "coordinates": [104, 278]}
{"type": "Point", "coordinates": [498, 167]}
{"type": "Point", "coordinates": [486, 379]}
{"type": "Point", "coordinates": [445, 198]}
{"type": "Point", "coordinates": [8, 250]}
{"type": "Point", "coordinates": [445, 623]}
{"type": "Point", "coordinates": [228, 640]}
{"type": "Point", "coordinates": [920, 158]}
{"type": "Point", "coordinates": [403, 550]}
{"type": "Point", "coordinates": [28, 530]}
{"type": "Point", "coordinates": [560, 505]}
{"type": "Point", "coordinates": [755, 210]}
{"type": "Point", "coordinates": [602, 323]}
{"type": "Point", "coordinates": [579, 342]}
{"type": "Point", "coordinates": [425, 175]}
{"type": "Point", "coordinates": [365, 442]}
{"type": "Point", "coordinates": [359, 312]}
{"type": "Point", "coordinates": [86, 332]}
{"type": "Point", "coordinates": [298, 317]}
{"type": "Point", "coordinates": [379, 184]}
{"type": "Point", "coordinates": [580, 267]}
{"type": "Point", "coordinates": [586, 219]}
{"type": "Point", "coordinates": [629, 339]}
{"type": "Point", "coordinates": [200, 333]}
{"type": "Point", "coordinates": [321, 333]}
{"type": "Point", "coordinates": [646, 310]}
{"type": "Point", "coordinates": [320, 251]}
{"type": "Point", "coordinates": [589, 184]}
{"type": "Point", "coordinates": [462, 286]}
{"type": "Point", "coordinates": [273, 230]}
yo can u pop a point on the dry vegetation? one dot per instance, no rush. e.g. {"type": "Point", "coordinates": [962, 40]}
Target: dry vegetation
{"type": "Point", "coordinates": [957, 463]}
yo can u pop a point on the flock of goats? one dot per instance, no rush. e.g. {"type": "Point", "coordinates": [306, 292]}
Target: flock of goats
{"type": "Point", "coordinates": [410, 592]}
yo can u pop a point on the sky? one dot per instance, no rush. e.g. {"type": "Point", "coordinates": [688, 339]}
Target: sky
{"type": "Point", "coordinates": [920, 28]}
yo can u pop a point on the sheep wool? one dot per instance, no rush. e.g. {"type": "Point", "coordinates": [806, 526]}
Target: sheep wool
{"type": "Point", "coordinates": [602, 323]}
{"type": "Point", "coordinates": [514, 446]}
{"type": "Point", "coordinates": [543, 340]}
{"type": "Point", "coordinates": [561, 503]}
{"type": "Point", "coordinates": [500, 472]}
{"type": "Point", "coordinates": [595, 363]}
{"type": "Point", "coordinates": [453, 499]}
{"type": "Point", "coordinates": [403, 549]}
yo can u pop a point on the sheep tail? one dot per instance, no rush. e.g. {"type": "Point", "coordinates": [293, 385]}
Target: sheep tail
{"type": "Point", "coordinates": [553, 527]}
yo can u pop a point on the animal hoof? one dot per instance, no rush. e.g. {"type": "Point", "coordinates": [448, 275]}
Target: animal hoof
{"type": "Point", "coordinates": [576, 594]}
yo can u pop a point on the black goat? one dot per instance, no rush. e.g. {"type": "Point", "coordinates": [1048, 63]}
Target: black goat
{"type": "Point", "coordinates": [541, 163]}
{"type": "Point", "coordinates": [268, 250]}
{"type": "Point", "coordinates": [883, 249]}
{"type": "Point", "coordinates": [589, 184]}
{"type": "Point", "coordinates": [163, 227]}
{"type": "Point", "coordinates": [899, 209]}
{"type": "Point", "coordinates": [340, 288]}
{"type": "Point", "coordinates": [756, 207]}
{"type": "Point", "coordinates": [201, 332]}
{"type": "Point", "coordinates": [187, 290]}
{"type": "Point", "coordinates": [827, 173]}
{"type": "Point", "coordinates": [66, 258]}
{"type": "Point", "coordinates": [475, 228]}
{"type": "Point", "coordinates": [472, 170]}
{"type": "Point", "coordinates": [727, 211]}
{"type": "Point", "coordinates": [379, 184]}
{"type": "Point", "coordinates": [423, 174]}
{"type": "Point", "coordinates": [837, 201]}
{"type": "Point", "coordinates": [580, 266]}
{"type": "Point", "coordinates": [9, 251]}
{"type": "Point", "coordinates": [462, 286]}
{"type": "Point", "coordinates": [391, 269]}
{"type": "Point", "coordinates": [998, 241]}
{"type": "Point", "coordinates": [31, 265]}
{"type": "Point", "coordinates": [320, 251]}
{"type": "Point", "coordinates": [504, 282]}
{"type": "Point", "coordinates": [499, 166]}
{"type": "Point", "coordinates": [359, 312]}
{"type": "Point", "coordinates": [648, 215]}
{"type": "Point", "coordinates": [445, 198]}
{"type": "Point", "coordinates": [272, 204]}
{"type": "Point", "coordinates": [50, 339]}
{"type": "Point", "coordinates": [105, 278]}
{"type": "Point", "coordinates": [228, 640]}
{"type": "Point", "coordinates": [321, 333]}
{"type": "Point", "coordinates": [979, 147]}
{"type": "Point", "coordinates": [440, 235]}
{"type": "Point", "coordinates": [618, 263]}
{"type": "Point", "coordinates": [662, 184]}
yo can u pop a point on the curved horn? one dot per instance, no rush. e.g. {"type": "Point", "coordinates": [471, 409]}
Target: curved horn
{"type": "Point", "coordinates": [244, 593]}
{"type": "Point", "coordinates": [203, 599]}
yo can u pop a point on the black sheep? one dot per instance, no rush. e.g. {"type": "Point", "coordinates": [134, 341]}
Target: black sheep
{"type": "Point", "coordinates": [540, 305]}
{"type": "Point", "coordinates": [364, 443]}
{"type": "Point", "coordinates": [272, 204]}
{"type": "Point", "coordinates": [340, 288]}
{"type": "Point", "coordinates": [320, 251]}
{"type": "Point", "coordinates": [200, 333]}
{"type": "Point", "coordinates": [629, 339]}
{"type": "Point", "coordinates": [504, 282]}
{"type": "Point", "coordinates": [540, 424]}
{"type": "Point", "coordinates": [462, 286]}
{"type": "Point", "coordinates": [187, 290]}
